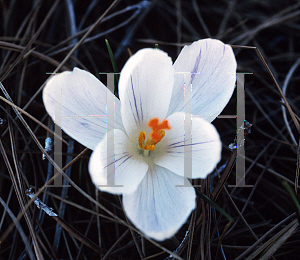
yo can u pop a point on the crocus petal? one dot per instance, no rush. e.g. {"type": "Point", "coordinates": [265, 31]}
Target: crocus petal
{"type": "Point", "coordinates": [128, 169]}
{"type": "Point", "coordinates": [205, 143]}
{"type": "Point", "coordinates": [145, 88]}
{"type": "Point", "coordinates": [213, 67]}
{"type": "Point", "coordinates": [159, 207]}
{"type": "Point", "coordinates": [79, 100]}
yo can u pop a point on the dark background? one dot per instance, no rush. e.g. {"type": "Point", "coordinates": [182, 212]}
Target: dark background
{"type": "Point", "coordinates": [271, 155]}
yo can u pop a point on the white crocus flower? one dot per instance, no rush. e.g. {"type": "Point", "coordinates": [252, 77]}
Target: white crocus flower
{"type": "Point", "coordinates": [149, 133]}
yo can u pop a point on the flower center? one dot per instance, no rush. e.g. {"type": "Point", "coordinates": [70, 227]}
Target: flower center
{"type": "Point", "coordinates": [155, 136]}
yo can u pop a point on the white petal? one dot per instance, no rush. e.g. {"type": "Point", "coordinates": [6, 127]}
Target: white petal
{"type": "Point", "coordinates": [123, 166]}
{"type": "Point", "coordinates": [80, 100]}
{"type": "Point", "coordinates": [205, 143]}
{"type": "Point", "coordinates": [145, 87]}
{"type": "Point", "coordinates": [158, 207]}
{"type": "Point", "coordinates": [214, 65]}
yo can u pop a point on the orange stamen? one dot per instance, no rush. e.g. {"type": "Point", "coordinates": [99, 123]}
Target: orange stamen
{"type": "Point", "coordinates": [142, 137]}
{"type": "Point", "coordinates": [153, 123]}
{"type": "Point", "coordinates": [156, 135]}
{"type": "Point", "coordinates": [149, 147]}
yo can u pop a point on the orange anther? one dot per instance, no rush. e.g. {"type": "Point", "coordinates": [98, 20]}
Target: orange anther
{"type": "Point", "coordinates": [149, 147]}
{"type": "Point", "coordinates": [142, 137]}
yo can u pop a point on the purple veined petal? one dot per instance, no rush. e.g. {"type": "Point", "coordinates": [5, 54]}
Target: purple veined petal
{"type": "Point", "coordinates": [79, 99]}
{"type": "Point", "coordinates": [128, 170]}
{"type": "Point", "coordinates": [160, 205]}
{"type": "Point", "coordinates": [206, 147]}
{"type": "Point", "coordinates": [145, 88]}
{"type": "Point", "coordinates": [213, 67]}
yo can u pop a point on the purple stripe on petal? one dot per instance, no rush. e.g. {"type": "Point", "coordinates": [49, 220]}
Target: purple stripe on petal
{"type": "Point", "coordinates": [124, 160]}
{"type": "Point", "coordinates": [141, 108]}
{"type": "Point", "coordinates": [195, 69]}
{"type": "Point", "coordinates": [125, 154]}
{"type": "Point", "coordinates": [171, 145]}
{"type": "Point", "coordinates": [198, 99]}
{"type": "Point", "coordinates": [176, 143]}
{"type": "Point", "coordinates": [136, 109]}
{"type": "Point", "coordinates": [132, 112]}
